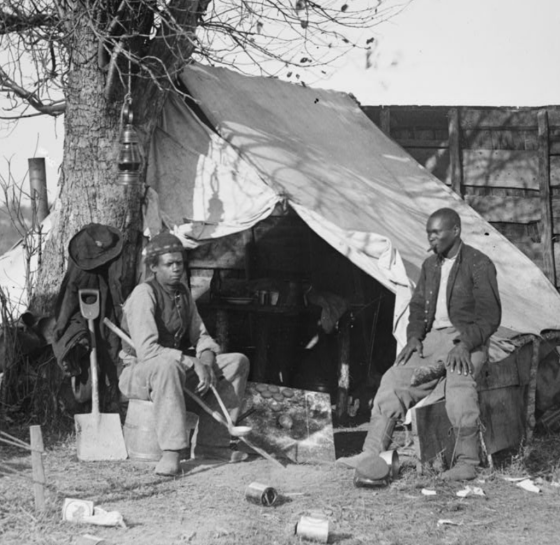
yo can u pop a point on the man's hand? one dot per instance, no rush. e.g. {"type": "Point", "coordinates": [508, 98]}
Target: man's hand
{"type": "Point", "coordinates": [459, 358]}
{"type": "Point", "coordinates": [204, 369]}
{"type": "Point", "coordinates": [414, 345]}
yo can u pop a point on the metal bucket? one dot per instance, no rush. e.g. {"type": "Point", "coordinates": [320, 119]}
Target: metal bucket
{"type": "Point", "coordinates": [140, 431]}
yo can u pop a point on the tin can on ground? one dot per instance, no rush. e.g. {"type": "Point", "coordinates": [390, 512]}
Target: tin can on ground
{"type": "Point", "coordinates": [313, 529]}
{"type": "Point", "coordinates": [74, 510]}
{"type": "Point", "coordinates": [261, 494]}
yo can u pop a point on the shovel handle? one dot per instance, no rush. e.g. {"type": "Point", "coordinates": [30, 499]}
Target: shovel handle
{"type": "Point", "coordinates": [93, 368]}
{"type": "Point", "coordinates": [222, 406]}
{"type": "Point", "coordinates": [214, 414]}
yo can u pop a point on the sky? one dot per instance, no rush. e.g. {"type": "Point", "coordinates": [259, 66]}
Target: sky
{"type": "Point", "coordinates": [435, 52]}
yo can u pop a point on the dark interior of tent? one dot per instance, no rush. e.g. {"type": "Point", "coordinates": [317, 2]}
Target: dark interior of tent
{"type": "Point", "coordinates": [303, 313]}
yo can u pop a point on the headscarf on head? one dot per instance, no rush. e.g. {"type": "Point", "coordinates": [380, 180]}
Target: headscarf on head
{"type": "Point", "coordinates": [164, 243]}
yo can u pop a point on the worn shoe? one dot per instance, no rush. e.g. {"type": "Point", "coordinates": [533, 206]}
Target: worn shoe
{"type": "Point", "coordinates": [168, 464]}
{"type": "Point", "coordinates": [461, 471]}
{"type": "Point", "coordinates": [225, 454]}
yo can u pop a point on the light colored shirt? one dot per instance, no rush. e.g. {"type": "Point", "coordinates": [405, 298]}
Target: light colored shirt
{"type": "Point", "coordinates": [139, 311]}
{"type": "Point", "coordinates": [441, 318]}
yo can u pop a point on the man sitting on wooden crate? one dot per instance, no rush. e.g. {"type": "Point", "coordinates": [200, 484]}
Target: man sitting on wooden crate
{"type": "Point", "coordinates": [453, 312]}
{"type": "Point", "coordinates": [162, 319]}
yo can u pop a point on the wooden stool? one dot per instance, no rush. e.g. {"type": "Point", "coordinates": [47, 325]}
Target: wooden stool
{"type": "Point", "coordinates": [140, 430]}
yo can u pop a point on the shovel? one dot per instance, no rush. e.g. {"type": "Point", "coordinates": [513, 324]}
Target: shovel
{"type": "Point", "coordinates": [98, 436]}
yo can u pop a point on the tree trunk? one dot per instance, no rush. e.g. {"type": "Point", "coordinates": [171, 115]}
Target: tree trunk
{"type": "Point", "coordinates": [88, 191]}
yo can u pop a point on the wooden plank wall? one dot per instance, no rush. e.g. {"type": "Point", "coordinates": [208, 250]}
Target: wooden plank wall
{"type": "Point", "coordinates": [505, 162]}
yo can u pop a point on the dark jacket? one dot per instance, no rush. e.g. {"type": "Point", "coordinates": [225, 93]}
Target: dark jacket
{"type": "Point", "coordinates": [473, 300]}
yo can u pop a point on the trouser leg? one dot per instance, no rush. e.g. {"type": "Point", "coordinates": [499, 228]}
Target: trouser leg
{"type": "Point", "coordinates": [461, 395]}
{"type": "Point", "coordinates": [463, 411]}
{"type": "Point", "coordinates": [232, 371]}
{"type": "Point", "coordinates": [161, 382]}
{"type": "Point", "coordinates": [395, 395]}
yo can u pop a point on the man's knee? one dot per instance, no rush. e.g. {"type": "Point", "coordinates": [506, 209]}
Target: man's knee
{"type": "Point", "coordinates": [241, 364]}
{"type": "Point", "coordinates": [234, 364]}
{"type": "Point", "coordinates": [169, 369]}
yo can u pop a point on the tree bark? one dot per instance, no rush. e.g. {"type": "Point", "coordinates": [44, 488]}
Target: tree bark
{"type": "Point", "coordinates": [88, 191]}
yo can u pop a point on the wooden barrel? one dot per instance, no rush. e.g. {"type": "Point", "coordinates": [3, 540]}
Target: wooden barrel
{"type": "Point", "coordinates": [140, 431]}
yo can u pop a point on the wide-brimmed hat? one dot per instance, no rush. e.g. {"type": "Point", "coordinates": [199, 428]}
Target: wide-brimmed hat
{"type": "Point", "coordinates": [94, 245]}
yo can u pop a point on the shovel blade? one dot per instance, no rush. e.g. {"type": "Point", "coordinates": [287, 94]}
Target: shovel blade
{"type": "Point", "coordinates": [99, 437]}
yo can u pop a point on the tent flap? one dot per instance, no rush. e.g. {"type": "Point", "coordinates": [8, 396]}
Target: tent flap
{"type": "Point", "coordinates": [353, 186]}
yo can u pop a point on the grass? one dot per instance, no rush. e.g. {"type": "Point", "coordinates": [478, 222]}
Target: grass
{"type": "Point", "coordinates": [207, 504]}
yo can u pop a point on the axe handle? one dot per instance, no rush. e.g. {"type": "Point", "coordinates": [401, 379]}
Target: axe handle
{"type": "Point", "coordinates": [118, 331]}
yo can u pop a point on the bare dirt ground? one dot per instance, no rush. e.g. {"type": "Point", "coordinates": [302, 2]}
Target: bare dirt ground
{"type": "Point", "coordinates": [207, 504]}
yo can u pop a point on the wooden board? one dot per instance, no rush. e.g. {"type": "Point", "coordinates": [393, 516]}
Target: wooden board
{"type": "Point", "coordinates": [499, 374]}
{"type": "Point", "coordinates": [500, 168]}
{"type": "Point", "coordinates": [311, 439]}
{"type": "Point", "coordinates": [433, 433]}
{"type": "Point", "coordinates": [472, 118]}
{"type": "Point", "coordinates": [506, 209]}
{"type": "Point", "coordinates": [502, 412]}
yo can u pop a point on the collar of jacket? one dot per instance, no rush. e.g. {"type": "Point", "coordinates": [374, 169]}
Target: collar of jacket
{"type": "Point", "coordinates": [458, 257]}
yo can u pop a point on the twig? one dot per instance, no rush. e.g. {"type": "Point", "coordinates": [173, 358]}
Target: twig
{"type": "Point", "coordinates": [21, 443]}
{"type": "Point", "coordinates": [14, 444]}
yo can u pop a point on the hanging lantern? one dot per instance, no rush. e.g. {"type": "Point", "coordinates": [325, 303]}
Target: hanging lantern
{"type": "Point", "coordinates": [130, 159]}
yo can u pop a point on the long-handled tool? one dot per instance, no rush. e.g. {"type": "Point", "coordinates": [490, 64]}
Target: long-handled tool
{"type": "Point", "coordinates": [214, 414]}
{"type": "Point", "coordinates": [99, 436]}
{"type": "Point", "coordinates": [236, 431]}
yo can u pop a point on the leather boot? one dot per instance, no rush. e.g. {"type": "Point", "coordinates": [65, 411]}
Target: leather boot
{"type": "Point", "coordinates": [377, 440]}
{"type": "Point", "coordinates": [466, 455]}
{"type": "Point", "coordinates": [168, 464]}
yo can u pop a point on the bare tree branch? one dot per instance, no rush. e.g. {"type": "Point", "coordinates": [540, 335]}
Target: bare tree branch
{"type": "Point", "coordinates": [21, 22]}
{"type": "Point", "coordinates": [270, 34]}
{"type": "Point", "coordinates": [51, 108]}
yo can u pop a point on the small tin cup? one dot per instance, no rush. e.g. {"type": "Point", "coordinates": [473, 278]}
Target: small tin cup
{"type": "Point", "coordinates": [391, 458]}
{"type": "Point", "coordinates": [313, 529]}
{"type": "Point", "coordinates": [261, 494]}
{"type": "Point", "coordinates": [74, 510]}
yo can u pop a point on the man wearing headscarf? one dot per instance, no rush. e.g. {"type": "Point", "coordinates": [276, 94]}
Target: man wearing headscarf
{"type": "Point", "coordinates": [162, 319]}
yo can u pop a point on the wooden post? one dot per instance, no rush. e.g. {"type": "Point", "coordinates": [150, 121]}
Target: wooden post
{"type": "Point", "coordinates": [222, 329]}
{"type": "Point", "coordinates": [455, 152]}
{"type": "Point", "coordinates": [38, 185]}
{"type": "Point", "coordinates": [343, 366]}
{"type": "Point", "coordinates": [549, 268]}
{"type": "Point", "coordinates": [385, 120]}
{"type": "Point", "coordinates": [39, 480]}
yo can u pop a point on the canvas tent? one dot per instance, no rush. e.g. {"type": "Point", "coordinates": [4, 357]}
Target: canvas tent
{"type": "Point", "coordinates": [254, 142]}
